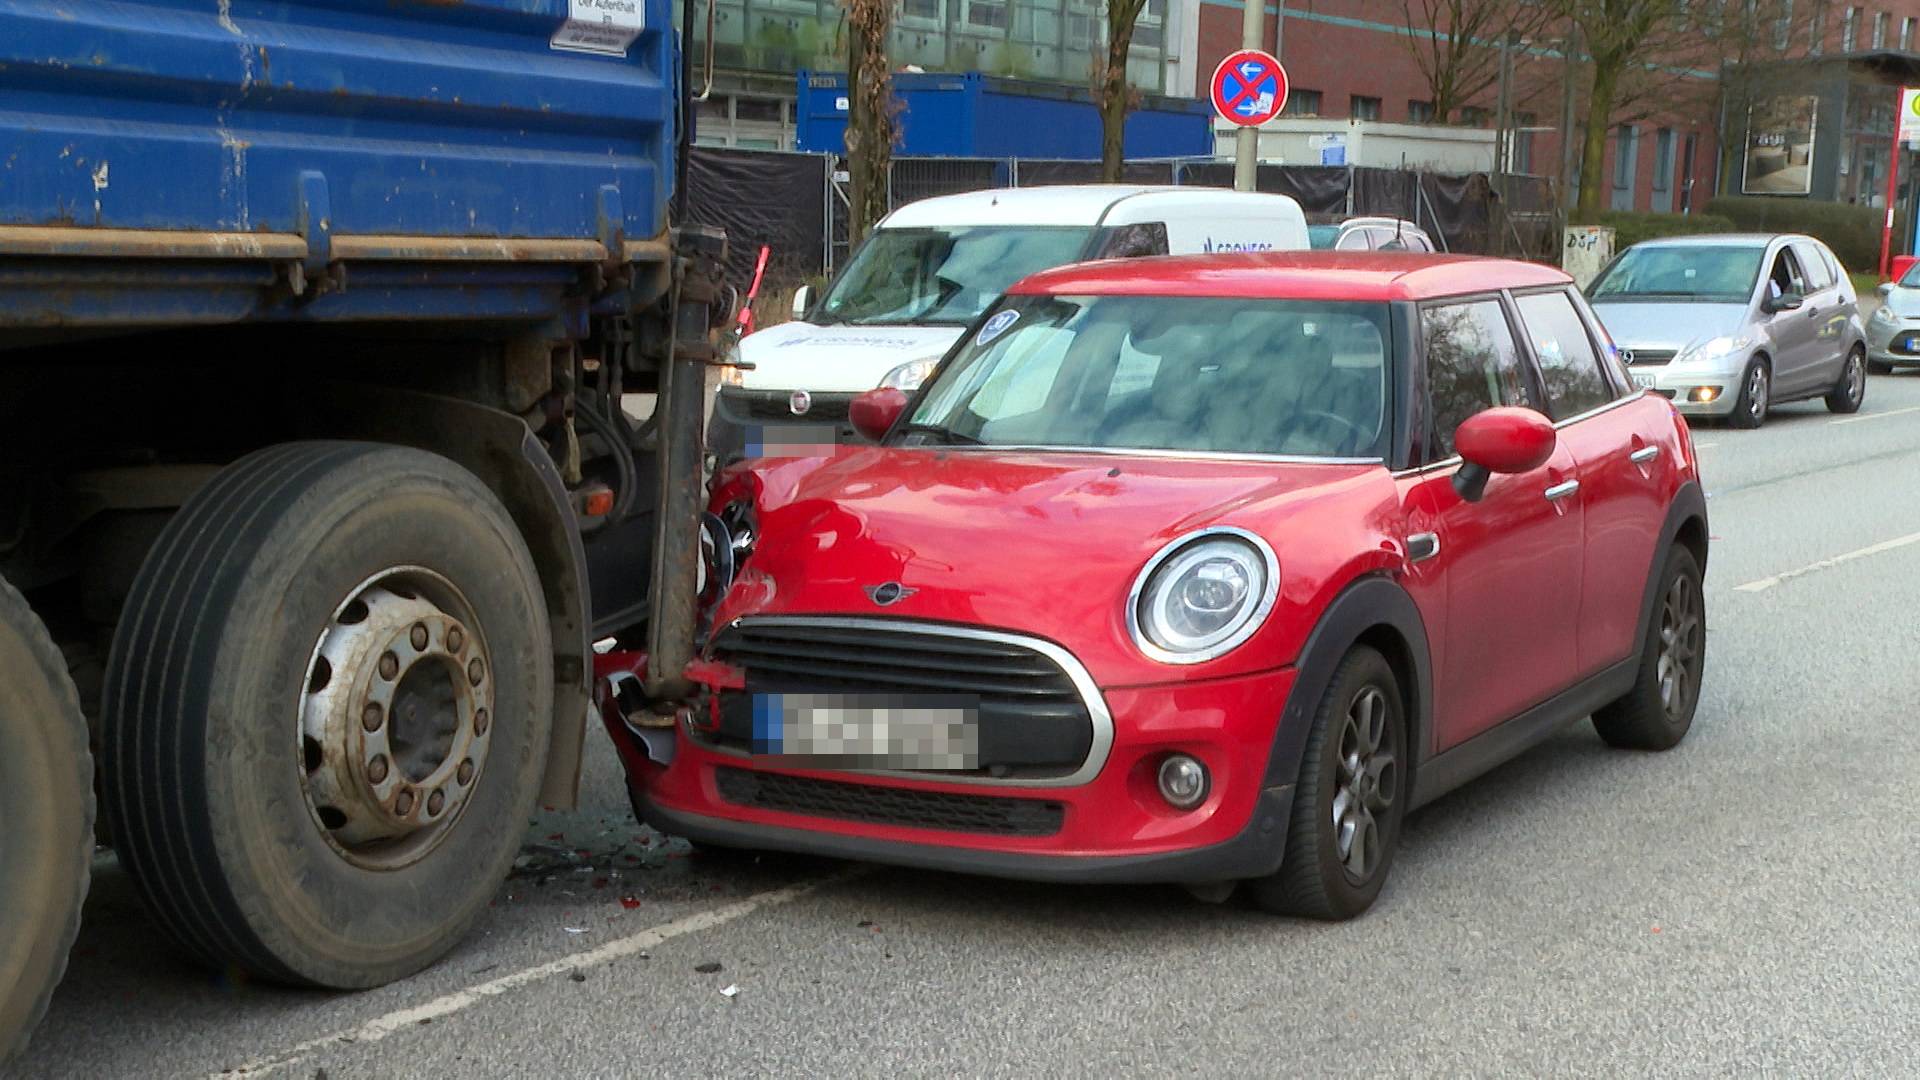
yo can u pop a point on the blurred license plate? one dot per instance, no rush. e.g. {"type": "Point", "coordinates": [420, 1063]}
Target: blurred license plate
{"type": "Point", "coordinates": [868, 731]}
{"type": "Point", "coordinates": [1911, 343]}
{"type": "Point", "coordinates": [1643, 379]}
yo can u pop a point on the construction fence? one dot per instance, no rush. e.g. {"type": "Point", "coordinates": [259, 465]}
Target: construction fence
{"type": "Point", "coordinates": [796, 204]}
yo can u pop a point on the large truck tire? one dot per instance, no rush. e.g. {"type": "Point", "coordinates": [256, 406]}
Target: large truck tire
{"type": "Point", "coordinates": [326, 713]}
{"type": "Point", "coordinates": [46, 819]}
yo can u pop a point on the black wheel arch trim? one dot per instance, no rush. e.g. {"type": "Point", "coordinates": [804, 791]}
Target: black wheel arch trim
{"type": "Point", "coordinates": [1369, 602]}
{"type": "Point", "coordinates": [1689, 504]}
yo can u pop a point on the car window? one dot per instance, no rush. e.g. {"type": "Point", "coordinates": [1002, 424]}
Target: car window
{"type": "Point", "coordinates": [1569, 367]}
{"type": "Point", "coordinates": [1784, 276]}
{"type": "Point", "coordinates": [1133, 241]}
{"type": "Point", "coordinates": [1214, 375]}
{"type": "Point", "coordinates": [1812, 266]}
{"type": "Point", "coordinates": [1353, 240]}
{"type": "Point", "coordinates": [1472, 364]}
{"type": "Point", "coordinates": [1662, 273]}
{"type": "Point", "coordinates": [942, 276]}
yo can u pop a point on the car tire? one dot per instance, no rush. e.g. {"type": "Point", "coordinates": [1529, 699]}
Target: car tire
{"type": "Point", "coordinates": [1851, 390]}
{"type": "Point", "coordinates": [1756, 396]}
{"type": "Point", "coordinates": [1350, 799]}
{"type": "Point", "coordinates": [46, 808]}
{"type": "Point", "coordinates": [1657, 713]}
{"type": "Point", "coordinates": [253, 776]}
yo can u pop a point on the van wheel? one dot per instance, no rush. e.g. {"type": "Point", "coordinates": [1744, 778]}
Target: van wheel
{"type": "Point", "coordinates": [46, 810]}
{"type": "Point", "coordinates": [326, 713]}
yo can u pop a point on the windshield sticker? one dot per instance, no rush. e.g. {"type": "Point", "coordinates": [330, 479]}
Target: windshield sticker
{"type": "Point", "coordinates": [996, 326]}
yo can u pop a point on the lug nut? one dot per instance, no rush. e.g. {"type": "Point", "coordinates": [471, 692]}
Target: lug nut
{"type": "Point", "coordinates": [389, 666]}
{"type": "Point", "coordinates": [480, 721]}
{"type": "Point", "coordinates": [455, 639]}
{"type": "Point", "coordinates": [372, 717]}
{"type": "Point", "coordinates": [465, 772]}
{"type": "Point", "coordinates": [435, 802]}
{"type": "Point", "coordinates": [476, 671]}
{"type": "Point", "coordinates": [403, 805]}
{"type": "Point", "coordinates": [419, 637]}
{"type": "Point", "coordinates": [377, 769]}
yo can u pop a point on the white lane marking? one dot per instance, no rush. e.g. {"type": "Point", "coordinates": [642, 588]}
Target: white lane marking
{"type": "Point", "coordinates": [406, 1019]}
{"type": "Point", "coordinates": [1876, 416]}
{"type": "Point", "coordinates": [1826, 564]}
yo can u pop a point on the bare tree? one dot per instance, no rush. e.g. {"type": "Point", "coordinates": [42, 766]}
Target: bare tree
{"type": "Point", "coordinates": [1111, 91]}
{"type": "Point", "coordinates": [1456, 44]}
{"type": "Point", "coordinates": [871, 112]}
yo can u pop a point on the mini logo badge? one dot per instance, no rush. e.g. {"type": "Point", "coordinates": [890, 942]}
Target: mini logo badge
{"type": "Point", "coordinates": [890, 593]}
{"type": "Point", "coordinates": [800, 402]}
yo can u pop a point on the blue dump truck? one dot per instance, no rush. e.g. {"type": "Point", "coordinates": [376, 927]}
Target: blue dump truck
{"type": "Point", "coordinates": [316, 489]}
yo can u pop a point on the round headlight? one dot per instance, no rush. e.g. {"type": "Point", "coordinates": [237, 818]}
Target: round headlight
{"type": "Point", "coordinates": [1203, 595]}
{"type": "Point", "coordinates": [910, 375]}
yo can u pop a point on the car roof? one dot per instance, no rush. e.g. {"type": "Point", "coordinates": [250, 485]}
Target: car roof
{"type": "Point", "coordinates": [1719, 239]}
{"type": "Point", "coordinates": [1064, 204]}
{"type": "Point", "coordinates": [1369, 222]}
{"type": "Point", "coordinates": [1295, 275]}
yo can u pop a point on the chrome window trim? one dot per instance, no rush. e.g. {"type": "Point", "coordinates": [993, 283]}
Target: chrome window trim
{"type": "Point", "coordinates": [1268, 596]}
{"type": "Point", "coordinates": [1174, 455]}
{"type": "Point", "coordinates": [1454, 460]}
{"type": "Point", "coordinates": [1097, 712]}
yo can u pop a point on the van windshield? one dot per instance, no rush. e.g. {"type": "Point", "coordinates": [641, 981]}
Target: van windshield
{"type": "Point", "coordinates": [1166, 373]}
{"type": "Point", "coordinates": [943, 276]}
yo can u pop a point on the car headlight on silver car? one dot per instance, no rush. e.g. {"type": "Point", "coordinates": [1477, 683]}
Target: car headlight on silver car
{"type": "Point", "coordinates": [1203, 595]}
{"type": "Point", "coordinates": [910, 375]}
{"type": "Point", "coordinates": [1715, 348]}
{"type": "Point", "coordinates": [1883, 315]}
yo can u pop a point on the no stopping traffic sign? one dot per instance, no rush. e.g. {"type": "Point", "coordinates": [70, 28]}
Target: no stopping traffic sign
{"type": "Point", "coordinates": [1249, 87]}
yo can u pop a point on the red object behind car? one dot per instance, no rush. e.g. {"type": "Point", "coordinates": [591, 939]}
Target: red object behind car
{"type": "Point", "coordinates": [1171, 573]}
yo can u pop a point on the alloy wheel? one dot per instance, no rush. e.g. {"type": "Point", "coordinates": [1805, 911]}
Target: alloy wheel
{"type": "Point", "coordinates": [1757, 394]}
{"type": "Point", "coordinates": [1856, 378]}
{"type": "Point", "coordinates": [1680, 631]}
{"type": "Point", "coordinates": [1366, 784]}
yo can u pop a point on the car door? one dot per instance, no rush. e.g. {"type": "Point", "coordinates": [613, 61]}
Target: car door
{"type": "Point", "coordinates": [1494, 579]}
{"type": "Point", "coordinates": [1795, 341]}
{"type": "Point", "coordinates": [1623, 461]}
{"type": "Point", "coordinates": [1827, 310]}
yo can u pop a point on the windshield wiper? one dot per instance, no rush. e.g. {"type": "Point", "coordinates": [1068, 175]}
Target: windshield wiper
{"type": "Point", "coordinates": [948, 434]}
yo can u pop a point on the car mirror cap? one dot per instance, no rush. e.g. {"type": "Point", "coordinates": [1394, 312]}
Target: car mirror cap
{"type": "Point", "coordinates": [874, 412]}
{"type": "Point", "coordinates": [1505, 439]}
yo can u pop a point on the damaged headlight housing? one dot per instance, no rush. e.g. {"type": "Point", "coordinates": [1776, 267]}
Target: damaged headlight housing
{"type": "Point", "coordinates": [1203, 595]}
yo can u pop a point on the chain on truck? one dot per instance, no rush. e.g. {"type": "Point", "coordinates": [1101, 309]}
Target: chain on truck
{"type": "Point", "coordinates": [317, 484]}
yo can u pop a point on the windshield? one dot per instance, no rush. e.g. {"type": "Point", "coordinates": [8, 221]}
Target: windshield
{"type": "Point", "coordinates": [1911, 279]}
{"type": "Point", "coordinates": [1717, 273]}
{"type": "Point", "coordinates": [1298, 378]}
{"type": "Point", "coordinates": [943, 276]}
{"type": "Point", "coordinates": [1321, 237]}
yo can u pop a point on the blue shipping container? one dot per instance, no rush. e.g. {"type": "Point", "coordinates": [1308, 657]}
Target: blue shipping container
{"type": "Point", "coordinates": [982, 116]}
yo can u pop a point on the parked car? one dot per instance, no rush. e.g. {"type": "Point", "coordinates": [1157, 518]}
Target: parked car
{"type": "Point", "coordinates": [1893, 333]}
{"type": "Point", "coordinates": [931, 267]}
{"type": "Point", "coordinates": [1196, 570]}
{"type": "Point", "coordinates": [1730, 326]}
{"type": "Point", "coordinates": [1371, 234]}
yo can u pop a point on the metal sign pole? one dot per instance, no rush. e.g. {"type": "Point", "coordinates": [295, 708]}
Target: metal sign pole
{"type": "Point", "coordinates": [1246, 154]}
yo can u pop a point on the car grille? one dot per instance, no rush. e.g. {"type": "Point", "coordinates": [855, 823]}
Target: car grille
{"type": "Point", "coordinates": [873, 805]}
{"type": "Point", "coordinates": [1651, 357]}
{"type": "Point", "coordinates": [778, 405]}
{"type": "Point", "coordinates": [1034, 723]}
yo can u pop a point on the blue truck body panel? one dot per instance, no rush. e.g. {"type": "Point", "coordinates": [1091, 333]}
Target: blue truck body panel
{"type": "Point", "coordinates": [980, 116]}
{"type": "Point", "coordinates": [318, 119]}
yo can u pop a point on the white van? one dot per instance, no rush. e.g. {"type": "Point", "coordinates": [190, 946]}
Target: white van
{"type": "Point", "coordinates": [931, 267]}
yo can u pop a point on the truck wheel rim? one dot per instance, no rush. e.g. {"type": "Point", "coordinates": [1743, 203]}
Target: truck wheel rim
{"type": "Point", "coordinates": [396, 718]}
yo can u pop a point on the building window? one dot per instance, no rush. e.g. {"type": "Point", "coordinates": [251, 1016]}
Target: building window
{"type": "Point", "coordinates": [1302, 103]}
{"type": "Point", "coordinates": [1522, 162]}
{"type": "Point", "coordinates": [1623, 158]}
{"type": "Point", "coordinates": [1476, 116]}
{"type": "Point", "coordinates": [1880, 30]}
{"type": "Point", "coordinates": [1365, 108]}
{"type": "Point", "coordinates": [1817, 28]}
{"type": "Point", "coordinates": [1906, 33]}
{"type": "Point", "coordinates": [1783, 26]}
{"type": "Point", "coordinates": [1420, 112]}
{"type": "Point", "coordinates": [932, 11]}
{"type": "Point", "coordinates": [991, 14]}
{"type": "Point", "coordinates": [1663, 159]}
{"type": "Point", "coordinates": [1848, 28]}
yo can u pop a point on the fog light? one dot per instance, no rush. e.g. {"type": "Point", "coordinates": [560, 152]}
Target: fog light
{"type": "Point", "coordinates": [1703, 394]}
{"type": "Point", "coordinates": [1183, 782]}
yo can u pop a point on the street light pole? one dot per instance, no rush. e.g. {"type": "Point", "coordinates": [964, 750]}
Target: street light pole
{"type": "Point", "coordinates": [1246, 152]}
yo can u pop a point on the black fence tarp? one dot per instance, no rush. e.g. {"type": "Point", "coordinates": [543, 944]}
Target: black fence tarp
{"type": "Point", "coordinates": [762, 197]}
{"type": "Point", "coordinates": [1320, 190]}
{"type": "Point", "coordinates": [1037, 173]}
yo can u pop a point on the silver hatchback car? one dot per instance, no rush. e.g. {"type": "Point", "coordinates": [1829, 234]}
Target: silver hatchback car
{"type": "Point", "coordinates": [1893, 334]}
{"type": "Point", "coordinates": [1731, 325]}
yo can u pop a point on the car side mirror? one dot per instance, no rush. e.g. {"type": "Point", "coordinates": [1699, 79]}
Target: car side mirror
{"type": "Point", "coordinates": [802, 298]}
{"type": "Point", "coordinates": [873, 413]}
{"type": "Point", "coordinates": [1885, 289]}
{"type": "Point", "coordinates": [1774, 305]}
{"type": "Point", "coordinates": [1500, 440]}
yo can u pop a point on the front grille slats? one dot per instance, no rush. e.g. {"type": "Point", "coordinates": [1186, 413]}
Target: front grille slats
{"type": "Point", "coordinates": [1022, 667]}
{"type": "Point", "coordinates": [1652, 357]}
{"type": "Point", "coordinates": [892, 641]}
{"type": "Point", "coordinates": [989, 814]}
{"type": "Point", "coordinates": [879, 677]}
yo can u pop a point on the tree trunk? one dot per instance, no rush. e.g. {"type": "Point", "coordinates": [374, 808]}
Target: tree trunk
{"type": "Point", "coordinates": [1114, 92]}
{"type": "Point", "coordinates": [870, 130]}
{"type": "Point", "coordinates": [858, 127]}
{"type": "Point", "coordinates": [1593, 150]}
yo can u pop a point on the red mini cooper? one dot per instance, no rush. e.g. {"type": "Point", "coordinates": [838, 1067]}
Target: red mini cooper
{"type": "Point", "coordinates": [1199, 570]}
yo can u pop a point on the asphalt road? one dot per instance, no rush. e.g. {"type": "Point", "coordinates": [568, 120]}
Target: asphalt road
{"type": "Point", "coordinates": [1747, 903]}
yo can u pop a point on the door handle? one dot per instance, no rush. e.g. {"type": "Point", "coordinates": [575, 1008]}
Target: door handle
{"type": "Point", "coordinates": [1644, 455]}
{"type": "Point", "coordinates": [1561, 491]}
{"type": "Point", "coordinates": [1422, 546]}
